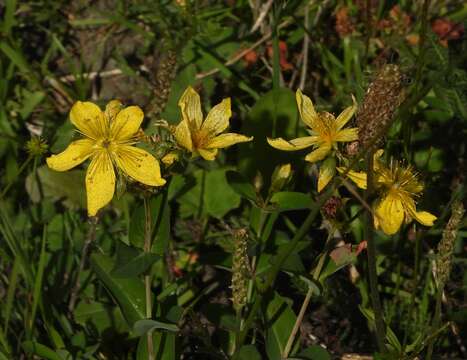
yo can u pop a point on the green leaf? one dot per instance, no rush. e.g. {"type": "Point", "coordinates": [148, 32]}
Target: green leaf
{"type": "Point", "coordinates": [131, 261]}
{"type": "Point", "coordinates": [31, 101]}
{"type": "Point", "coordinates": [241, 185]}
{"type": "Point", "coordinates": [33, 347]}
{"type": "Point", "coordinates": [217, 189]}
{"type": "Point", "coordinates": [203, 198]}
{"type": "Point", "coordinates": [290, 200]}
{"type": "Point", "coordinates": [142, 327]}
{"type": "Point", "coordinates": [248, 352]}
{"type": "Point", "coordinates": [101, 316]}
{"type": "Point", "coordinates": [67, 186]}
{"type": "Point", "coordinates": [129, 292]}
{"type": "Point", "coordinates": [280, 320]}
{"type": "Point", "coordinates": [315, 352]}
{"type": "Point", "coordinates": [279, 108]}
{"type": "Point", "coordinates": [16, 57]}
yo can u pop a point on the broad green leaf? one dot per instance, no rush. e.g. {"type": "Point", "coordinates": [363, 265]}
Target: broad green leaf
{"type": "Point", "coordinates": [280, 320]}
{"type": "Point", "coordinates": [219, 196]}
{"type": "Point", "coordinates": [33, 347]}
{"type": "Point", "coordinates": [279, 108]}
{"type": "Point", "coordinates": [290, 200]}
{"type": "Point", "coordinates": [31, 101]}
{"type": "Point", "coordinates": [67, 186]}
{"type": "Point", "coordinates": [101, 316]}
{"type": "Point", "coordinates": [142, 327]}
{"type": "Point", "coordinates": [248, 352]}
{"type": "Point", "coordinates": [131, 261]}
{"type": "Point", "coordinates": [241, 186]}
{"type": "Point", "coordinates": [315, 352]}
{"type": "Point", "coordinates": [129, 292]}
{"type": "Point", "coordinates": [203, 198]}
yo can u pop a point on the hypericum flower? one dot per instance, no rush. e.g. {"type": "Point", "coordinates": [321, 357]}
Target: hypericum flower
{"type": "Point", "coordinates": [108, 140]}
{"type": "Point", "coordinates": [398, 186]}
{"type": "Point", "coordinates": [325, 130]}
{"type": "Point", "coordinates": [204, 137]}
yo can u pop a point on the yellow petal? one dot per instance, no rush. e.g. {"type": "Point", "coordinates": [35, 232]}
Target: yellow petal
{"type": "Point", "coordinates": [170, 158]}
{"type": "Point", "coordinates": [225, 140]}
{"type": "Point", "coordinates": [190, 105]}
{"type": "Point", "coordinates": [424, 218]}
{"type": "Point", "coordinates": [218, 118]}
{"type": "Point", "coordinates": [112, 109]}
{"type": "Point", "coordinates": [319, 154]}
{"type": "Point", "coordinates": [326, 172]}
{"type": "Point", "coordinates": [139, 164]}
{"type": "Point", "coordinates": [88, 119]}
{"type": "Point", "coordinates": [358, 177]}
{"type": "Point", "coordinates": [100, 182]}
{"type": "Point", "coordinates": [208, 154]}
{"type": "Point", "coordinates": [346, 115]}
{"type": "Point", "coordinates": [390, 213]}
{"type": "Point", "coordinates": [182, 135]}
{"type": "Point", "coordinates": [126, 123]}
{"type": "Point", "coordinates": [347, 135]}
{"type": "Point", "coordinates": [306, 109]}
{"type": "Point", "coordinates": [292, 145]}
{"type": "Point", "coordinates": [73, 155]}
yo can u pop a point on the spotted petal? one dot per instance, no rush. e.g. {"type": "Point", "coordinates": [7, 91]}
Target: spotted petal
{"type": "Point", "coordinates": [326, 172]}
{"type": "Point", "coordinates": [127, 122]}
{"type": "Point", "coordinates": [389, 214]}
{"type": "Point", "coordinates": [358, 177]}
{"type": "Point", "coordinates": [218, 118]}
{"type": "Point", "coordinates": [293, 145]}
{"type": "Point", "coordinates": [208, 154]}
{"type": "Point", "coordinates": [190, 105]}
{"type": "Point", "coordinates": [306, 109]}
{"type": "Point", "coordinates": [182, 135]}
{"type": "Point", "coordinates": [346, 115]}
{"type": "Point", "coordinates": [88, 119]}
{"type": "Point", "coordinates": [346, 135]}
{"type": "Point", "coordinates": [73, 155]}
{"type": "Point", "coordinates": [100, 182]}
{"type": "Point", "coordinates": [226, 140]}
{"type": "Point", "coordinates": [319, 154]}
{"type": "Point", "coordinates": [140, 165]}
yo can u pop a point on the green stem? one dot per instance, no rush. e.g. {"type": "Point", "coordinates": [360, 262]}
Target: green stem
{"type": "Point", "coordinates": [147, 277]}
{"type": "Point", "coordinates": [280, 259]}
{"type": "Point", "coordinates": [91, 236]}
{"type": "Point", "coordinates": [371, 252]}
{"type": "Point", "coordinates": [303, 308]}
{"type": "Point", "coordinates": [21, 169]}
{"type": "Point", "coordinates": [436, 321]}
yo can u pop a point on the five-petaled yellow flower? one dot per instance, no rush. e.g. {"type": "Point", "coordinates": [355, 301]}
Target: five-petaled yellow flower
{"type": "Point", "coordinates": [204, 137]}
{"type": "Point", "coordinates": [326, 131]}
{"type": "Point", "coordinates": [108, 140]}
{"type": "Point", "coordinates": [398, 186]}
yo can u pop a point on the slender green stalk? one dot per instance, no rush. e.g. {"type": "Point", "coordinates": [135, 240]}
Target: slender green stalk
{"type": "Point", "coordinates": [147, 277]}
{"type": "Point", "coordinates": [21, 169]}
{"type": "Point", "coordinates": [303, 308]}
{"type": "Point", "coordinates": [91, 236]}
{"type": "Point", "coordinates": [38, 280]}
{"type": "Point", "coordinates": [279, 261]}
{"type": "Point", "coordinates": [371, 253]}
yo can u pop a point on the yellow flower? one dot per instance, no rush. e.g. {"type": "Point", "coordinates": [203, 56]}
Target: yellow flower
{"type": "Point", "coordinates": [325, 130]}
{"type": "Point", "coordinates": [398, 187]}
{"type": "Point", "coordinates": [204, 137]}
{"type": "Point", "coordinates": [108, 140]}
